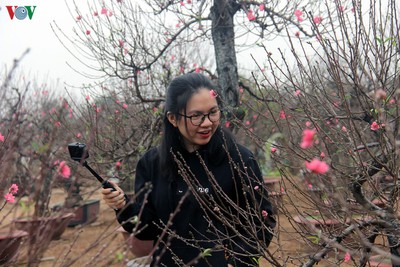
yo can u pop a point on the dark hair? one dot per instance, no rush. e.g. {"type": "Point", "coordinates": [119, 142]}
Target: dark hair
{"type": "Point", "coordinates": [178, 94]}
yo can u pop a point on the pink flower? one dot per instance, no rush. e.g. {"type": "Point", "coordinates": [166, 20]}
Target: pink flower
{"type": "Point", "coordinates": [344, 129]}
{"type": "Point", "coordinates": [125, 106]}
{"type": "Point", "coordinates": [297, 93]}
{"type": "Point", "coordinates": [118, 164]}
{"type": "Point", "coordinates": [380, 94]}
{"type": "Point", "coordinates": [374, 126]}
{"type": "Point", "coordinates": [13, 189]}
{"type": "Point", "coordinates": [1, 138]}
{"type": "Point", "coordinates": [308, 123]}
{"type": "Point", "coordinates": [121, 43]}
{"type": "Point", "coordinates": [298, 13]}
{"type": "Point", "coordinates": [317, 166]}
{"type": "Point", "coordinates": [64, 170]}
{"type": "Point", "coordinates": [10, 198]}
{"type": "Point", "coordinates": [347, 257]}
{"type": "Point", "coordinates": [341, 8]}
{"type": "Point", "coordinates": [79, 17]}
{"type": "Point", "coordinates": [273, 150]}
{"type": "Point", "coordinates": [87, 97]}
{"type": "Point", "coordinates": [213, 94]}
{"type": "Point", "coordinates": [110, 13]}
{"type": "Point", "coordinates": [78, 135]}
{"type": "Point", "coordinates": [250, 15]}
{"type": "Point", "coordinates": [197, 70]}
{"type": "Point", "coordinates": [308, 138]}
{"type": "Point", "coordinates": [264, 213]}
{"type": "Point", "coordinates": [262, 7]}
{"type": "Point", "coordinates": [87, 32]}
{"type": "Point", "coordinates": [322, 155]}
{"type": "Point", "coordinates": [104, 11]}
{"type": "Point", "coordinates": [299, 19]}
{"type": "Point", "coordinates": [317, 20]}
{"type": "Point", "coordinates": [282, 114]}
{"type": "Point", "coordinates": [227, 124]}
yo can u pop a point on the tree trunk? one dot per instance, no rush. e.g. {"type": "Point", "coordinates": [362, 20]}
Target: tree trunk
{"type": "Point", "coordinates": [223, 35]}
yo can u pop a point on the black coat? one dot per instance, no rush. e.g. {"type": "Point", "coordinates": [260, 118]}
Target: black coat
{"type": "Point", "coordinates": [196, 228]}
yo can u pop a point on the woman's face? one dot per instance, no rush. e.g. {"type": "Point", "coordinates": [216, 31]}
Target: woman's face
{"type": "Point", "coordinates": [201, 103]}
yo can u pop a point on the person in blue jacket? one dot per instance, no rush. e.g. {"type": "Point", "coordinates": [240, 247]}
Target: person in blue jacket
{"type": "Point", "coordinates": [199, 195]}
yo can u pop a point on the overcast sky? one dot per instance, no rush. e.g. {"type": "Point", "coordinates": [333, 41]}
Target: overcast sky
{"type": "Point", "coordinates": [47, 57]}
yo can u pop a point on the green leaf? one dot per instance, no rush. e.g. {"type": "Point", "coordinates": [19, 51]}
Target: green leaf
{"type": "Point", "coordinates": [206, 252]}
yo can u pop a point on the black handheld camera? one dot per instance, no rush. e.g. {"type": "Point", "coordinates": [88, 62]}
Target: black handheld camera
{"type": "Point", "coordinates": [78, 152]}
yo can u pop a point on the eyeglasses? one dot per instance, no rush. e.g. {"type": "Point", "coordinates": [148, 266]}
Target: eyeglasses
{"type": "Point", "coordinates": [198, 119]}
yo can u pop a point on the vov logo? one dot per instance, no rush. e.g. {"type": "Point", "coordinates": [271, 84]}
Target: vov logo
{"type": "Point", "coordinates": [21, 12]}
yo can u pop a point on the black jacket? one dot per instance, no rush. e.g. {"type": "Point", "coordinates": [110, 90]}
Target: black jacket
{"type": "Point", "coordinates": [219, 216]}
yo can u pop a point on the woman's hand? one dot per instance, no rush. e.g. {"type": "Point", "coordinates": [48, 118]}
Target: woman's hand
{"type": "Point", "coordinates": [114, 199]}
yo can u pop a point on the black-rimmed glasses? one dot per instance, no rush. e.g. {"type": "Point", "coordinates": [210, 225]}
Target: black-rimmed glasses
{"type": "Point", "coordinates": [198, 119]}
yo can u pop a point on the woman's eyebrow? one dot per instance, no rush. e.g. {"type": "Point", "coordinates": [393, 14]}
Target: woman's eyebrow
{"type": "Point", "coordinates": [201, 112]}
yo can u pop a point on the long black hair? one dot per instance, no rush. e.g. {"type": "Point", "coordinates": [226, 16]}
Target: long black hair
{"type": "Point", "coordinates": [178, 94]}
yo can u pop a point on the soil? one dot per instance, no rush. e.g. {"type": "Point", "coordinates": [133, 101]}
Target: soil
{"type": "Point", "coordinates": [100, 244]}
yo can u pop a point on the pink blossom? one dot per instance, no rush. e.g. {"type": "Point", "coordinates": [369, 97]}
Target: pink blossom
{"type": "Point", "coordinates": [121, 43]}
{"type": "Point", "coordinates": [227, 124]}
{"type": "Point", "coordinates": [87, 97]}
{"type": "Point", "coordinates": [347, 257]}
{"type": "Point", "coordinates": [95, 13]}
{"type": "Point", "coordinates": [308, 123]}
{"type": "Point", "coordinates": [322, 155]}
{"type": "Point", "coordinates": [125, 106]}
{"type": "Point", "coordinates": [247, 123]}
{"type": "Point", "coordinates": [380, 94]}
{"type": "Point", "coordinates": [297, 93]}
{"type": "Point", "coordinates": [250, 15]}
{"type": "Point", "coordinates": [282, 114]}
{"type": "Point", "coordinates": [344, 129]}
{"type": "Point", "coordinates": [256, 187]}
{"type": "Point", "coordinates": [87, 32]}
{"type": "Point", "coordinates": [273, 150]}
{"type": "Point", "coordinates": [264, 213]}
{"type": "Point", "coordinates": [104, 11]}
{"type": "Point", "coordinates": [1, 138]}
{"type": "Point", "coordinates": [317, 20]}
{"type": "Point", "coordinates": [10, 198]}
{"type": "Point", "coordinates": [310, 186]}
{"type": "Point", "coordinates": [79, 17]}
{"type": "Point", "coordinates": [308, 138]}
{"type": "Point", "coordinates": [299, 19]}
{"type": "Point", "coordinates": [78, 135]}
{"type": "Point", "coordinates": [13, 189]}
{"type": "Point", "coordinates": [262, 7]}
{"type": "Point", "coordinates": [213, 93]}
{"type": "Point", "coordinates": [298, 13]}
{"type": "Point", "coordinates": [317, 166]}
{"type": "Point", "coordinates": [110, 13]}
{"type": "Point", "coordinates": [182, 3]}
{"type": "Point", "coordinates": [64, 170]}
{"type": "Point", "coordinates": [57, 124]}
{"type": "Point", "coordinates": [341, 8]}
{"type": "Point", "coordinates": [374, 126]}
{"type": "Point", "coordinates": [118, 164]}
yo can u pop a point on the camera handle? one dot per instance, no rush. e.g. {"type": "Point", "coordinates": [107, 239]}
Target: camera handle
{"type": "Point", "coordinates": [104, 183]}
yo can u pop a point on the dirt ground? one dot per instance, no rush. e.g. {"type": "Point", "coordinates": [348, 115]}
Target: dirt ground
{"type": "Point", "coordinates": [100, 244]}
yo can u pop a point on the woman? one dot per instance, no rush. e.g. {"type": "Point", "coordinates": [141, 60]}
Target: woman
{"type": "Point", "coordinates": [199, 194]}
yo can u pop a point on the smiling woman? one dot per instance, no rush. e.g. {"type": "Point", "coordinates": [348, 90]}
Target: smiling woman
{"type": "Point", "coordinates": [201, 198]}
